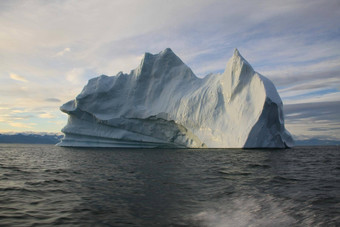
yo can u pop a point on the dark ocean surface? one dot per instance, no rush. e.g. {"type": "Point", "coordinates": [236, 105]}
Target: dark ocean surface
{"type": "Point", "coordinates": [44, 185]}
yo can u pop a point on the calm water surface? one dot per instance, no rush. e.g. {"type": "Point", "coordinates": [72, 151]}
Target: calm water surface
{"type": "Point", "coordinates": [44, 185]}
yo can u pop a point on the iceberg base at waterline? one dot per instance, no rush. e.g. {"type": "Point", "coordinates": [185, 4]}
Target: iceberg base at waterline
{"type": "Point", "coordinates": [162, 104]}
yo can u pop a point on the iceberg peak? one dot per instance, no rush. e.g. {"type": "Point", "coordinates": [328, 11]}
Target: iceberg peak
{"type": "Point", "coordinates": [165, 55]}
{"type": "Point", "coordinates": [236, 66]}
{"type": "Point", "coordinates": [236, 53]}
{"type": "Point", "coordinates": [167, 51]}
{"type": "Point", "coordinates": [237, 57]}
{"type": "Point", "coordinates": [162, 65]}
{"type": "Point", "coordinates": [163, 104]}
{"type": "Point", "coordinates": [169, 57]}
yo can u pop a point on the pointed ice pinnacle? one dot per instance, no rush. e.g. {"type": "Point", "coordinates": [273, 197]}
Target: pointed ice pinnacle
{"type": "Point", "coordinates": [236, 52]}
{"type": "Point", "coordinates": [163, 104]}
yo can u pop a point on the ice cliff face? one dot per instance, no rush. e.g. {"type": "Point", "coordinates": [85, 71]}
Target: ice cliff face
{"type": "Point", "coordinates": [163, 104]}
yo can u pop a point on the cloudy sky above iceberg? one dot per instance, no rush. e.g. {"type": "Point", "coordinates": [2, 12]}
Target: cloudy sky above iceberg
{"type": "Point", "coordinates": [49, 49]}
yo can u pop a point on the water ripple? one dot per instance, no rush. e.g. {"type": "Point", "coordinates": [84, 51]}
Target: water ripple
{"type": "Point", "coordinates": [44, 185]}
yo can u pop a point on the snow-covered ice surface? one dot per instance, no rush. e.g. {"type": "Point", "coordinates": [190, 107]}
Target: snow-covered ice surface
{"type": "Point", "coordinates": [163, 104]}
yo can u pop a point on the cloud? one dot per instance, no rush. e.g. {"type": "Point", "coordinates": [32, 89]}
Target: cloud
{"type": "Point", "coordinates": [46, 115]}
{"type": "Point", "coordinates": [317, 110]}
{"type": "Point", "coordinates": [52, 100]}
{"type": "Point", "coordinates": [75, 75]}
{"type": "Point", "coordinates": [17, 77]}
{"type": "Point", "coordinates": [17, 111]}
{"type": "Point", "coordinates": [293, 43]}
{"type": "Point", "coordinates": [321, 83]}
{"type": "Point", "coordinates": [21, 125]}
{"type": "Point", "coordinates": [320, 96]}
{"type": "Point", "coordinates": [313, 120]}
{"type": "Point", "coordinates": [61, 53]}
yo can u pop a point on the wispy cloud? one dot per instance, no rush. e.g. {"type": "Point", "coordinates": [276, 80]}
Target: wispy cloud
{"type": "Point", "coordinates": [21, 125]}
{"type": "Point", "coordinates": [314, 120]}
{"type": "Point", "coordinates": [46, 115]}
{"type": "Point", "coordinates": [294, 43]}
{"type": "Point", "coordinates": [17, 77]}
{"type": "Point", "coordinates": [75, 75]}
{"type": "Point", "coordinates": [61, 53]}
{"type": "Point", "coordinates": [52, 100]}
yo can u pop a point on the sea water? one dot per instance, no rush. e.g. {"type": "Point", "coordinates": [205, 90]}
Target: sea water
{"type": "Point", "coordinates": [44, 185]}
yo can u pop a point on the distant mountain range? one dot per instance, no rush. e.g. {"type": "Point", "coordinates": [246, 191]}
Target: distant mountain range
{"type": "Point", "coordinates": [31, 138]}
{"type": "Point", "coordinates": [316, 142]}
{"type": "Point", "coordinates": [54, 138]}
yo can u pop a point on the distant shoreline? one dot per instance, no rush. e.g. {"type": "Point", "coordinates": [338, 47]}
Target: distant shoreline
{"type": "Point", "coordinates": [33, 138]}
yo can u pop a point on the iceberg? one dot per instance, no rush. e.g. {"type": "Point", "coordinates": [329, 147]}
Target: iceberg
{"type": "Point", "coordinates": [162, 104]}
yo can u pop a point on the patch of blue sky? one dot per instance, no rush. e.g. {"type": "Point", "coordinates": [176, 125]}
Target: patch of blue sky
{"type": "Point", "coordinates": [316, 36]}
{"type": "Point", "coordinates": [282, 87]}
{"type": "Point", "coordinates": [317, 93]}
{"type": "Point", "coordinates": [311, 61]}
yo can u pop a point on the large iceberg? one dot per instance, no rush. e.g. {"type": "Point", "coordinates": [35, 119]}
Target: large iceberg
{"type": "Point", "coordinates": [162, 104]}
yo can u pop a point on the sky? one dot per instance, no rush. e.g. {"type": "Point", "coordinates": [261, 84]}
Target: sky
{"type": "Point", "coordinates": [50, 49]}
